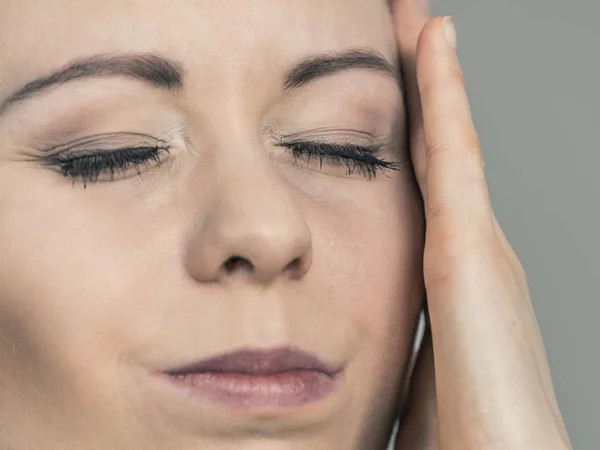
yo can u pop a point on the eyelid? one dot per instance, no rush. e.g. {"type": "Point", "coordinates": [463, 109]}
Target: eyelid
{"type": "Point", "coordinates": [332, 133]}
{"type": "Point", "coordinates": [337, 137]}
{"type": "Point", "coordinates": [117, 140]}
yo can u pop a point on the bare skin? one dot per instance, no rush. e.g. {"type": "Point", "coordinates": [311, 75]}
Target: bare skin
{"type": "Point", "coordinates": [102, 283]}
{"type": "Point", "coordinates": [230, 242]}
{"type": "Point", "coordinates": [482, 380]}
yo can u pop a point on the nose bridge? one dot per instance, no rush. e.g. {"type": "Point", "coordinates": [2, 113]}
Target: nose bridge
{"type": "Point", "coordinates": [255, 225]}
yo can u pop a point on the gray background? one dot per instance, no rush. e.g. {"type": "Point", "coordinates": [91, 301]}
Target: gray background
{"type": "Point", "coordinates": [532, 69]}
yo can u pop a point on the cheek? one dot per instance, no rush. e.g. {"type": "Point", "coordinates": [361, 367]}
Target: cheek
{"type": "Point", "coordinates": [63, 274]}
{"type": "Point", "coordinates": [372, 248]}
{"type": "Point", "coordinates": [373, 251]}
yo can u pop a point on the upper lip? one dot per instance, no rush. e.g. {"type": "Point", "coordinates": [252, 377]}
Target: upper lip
{"type": "Point", "coordinates": [258, 362]}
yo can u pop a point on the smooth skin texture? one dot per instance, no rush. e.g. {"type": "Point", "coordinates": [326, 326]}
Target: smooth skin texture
{"type": "Point", "coordinates": [100, 286]}
{"type": "Point", "coordinates": [482, 380]}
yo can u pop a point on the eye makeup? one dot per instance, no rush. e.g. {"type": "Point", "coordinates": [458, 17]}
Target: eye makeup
{"type": "Point", "coordinates": [98, 164]}
{"type": "Point", "coordinates": [114, 157]}
{"type": "Point", "coordinates": [353, 143]}
{"type": "Point", "coordinates": [106, 157]}
{"type": "Point", "coordinates": [89, 167]}
{"type": "Point", "coordinates": [354, 158]}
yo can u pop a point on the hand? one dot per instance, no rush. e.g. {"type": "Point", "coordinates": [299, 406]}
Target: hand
{"type": "Point", "coordinates": [487, 383]}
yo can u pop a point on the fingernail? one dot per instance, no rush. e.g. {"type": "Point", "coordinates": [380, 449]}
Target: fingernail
{"type": "Point", "coordinates": [450, 31]}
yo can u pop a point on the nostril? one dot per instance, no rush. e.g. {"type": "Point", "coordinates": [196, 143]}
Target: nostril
{"type": "Point", "coordinates": [294, 265]}
{"type": "Point", "coordinates": [236, 262]}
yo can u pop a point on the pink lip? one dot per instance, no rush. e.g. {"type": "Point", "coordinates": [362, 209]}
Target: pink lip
{"type": "Point", "coordinates": [283, 377]}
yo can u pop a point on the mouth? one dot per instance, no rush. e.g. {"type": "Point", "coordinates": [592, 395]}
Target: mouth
{"type": "Point", "coordinates": [283, 377]}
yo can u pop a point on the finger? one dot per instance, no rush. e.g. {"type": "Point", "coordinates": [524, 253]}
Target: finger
{"type": "Point", "coordinates": [409, 17]}
{"type": "Point", "coordinates": [456, 185]}
{"type": "Point", "coordinates": [419, 426]}
{"type": "Point", "coordinates": [491, 369]}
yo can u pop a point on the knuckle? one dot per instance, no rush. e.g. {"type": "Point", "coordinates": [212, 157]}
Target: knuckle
{"type": "Point", "coordinates": [438, 212]}
{"type": "Point", "coordinates": [465, 160]}
{"type": "Point", "coordinates": [449, 82]}
{"type": "Point", "coordinates": [455, 78]}
{"type": "Point", "coordinates": [454, 257]}
{"type": "Point", "coordinates": [459, 150]}
{"type": "Point", "coordinates": [443, 253]}
{"type": "Point", "coordinates": [452, 253]}
{"type": "Point", "coordinates": [520, 271]}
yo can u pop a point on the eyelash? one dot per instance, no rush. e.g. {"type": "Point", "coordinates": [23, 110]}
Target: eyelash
{"type": "Point", "coordinates": [356, 158]}
{"type": "Point", "coordinates": [88, 167]}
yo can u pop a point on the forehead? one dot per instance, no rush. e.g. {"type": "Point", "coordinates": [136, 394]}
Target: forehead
{"type": "Point", "coordinates": [215, 36]}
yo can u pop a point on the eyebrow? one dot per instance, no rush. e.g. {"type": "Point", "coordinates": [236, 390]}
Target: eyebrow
{"type": "Point", "coordinates": [316, 67]}
{"type": "Point", "coordinates": [163, 73]}
{"type": "Point", "coordinates": [152, 69]}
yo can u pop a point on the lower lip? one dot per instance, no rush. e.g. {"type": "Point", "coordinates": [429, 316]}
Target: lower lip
{"type": "Point", "coordinates": [284, 389]}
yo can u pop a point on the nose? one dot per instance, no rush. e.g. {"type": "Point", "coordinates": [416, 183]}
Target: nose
{"type": "Point", "coordinates": [254, 228]}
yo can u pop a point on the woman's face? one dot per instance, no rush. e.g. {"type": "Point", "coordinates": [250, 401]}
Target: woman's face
{"type": "Point", "coordinates": [191, 178]}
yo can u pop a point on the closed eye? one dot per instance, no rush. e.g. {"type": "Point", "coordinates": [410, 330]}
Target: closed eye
{"type": "Point", "coordinates": [354, 158]}
{"type": "Point", "coordinates": [93, 165]}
